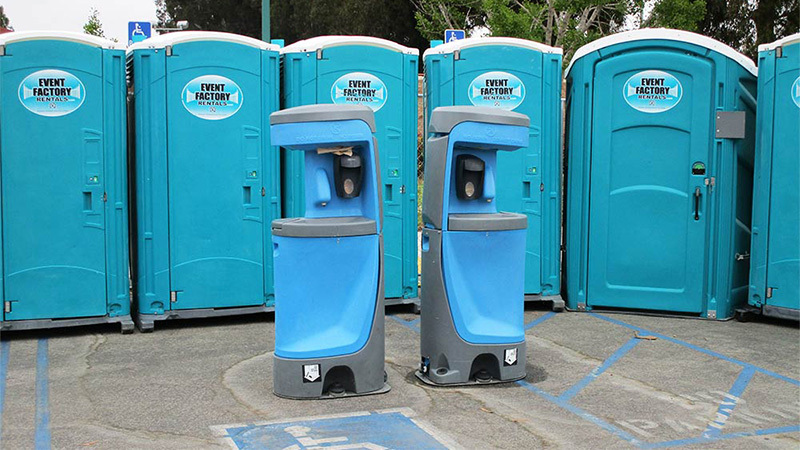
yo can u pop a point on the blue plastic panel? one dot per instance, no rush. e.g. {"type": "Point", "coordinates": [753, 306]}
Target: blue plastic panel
{"type": "Point", "coordinates": [529, 180]}
{"type": "Point", "coordinates": [308, 80]}
{"type": "Point", "coordinates": [64, 248]}
{"type": "Point", "coordinates": [776, 203]}
{"type": "Point", "coordinates": [485, 312]}
{"type": "Point", "coordinates": [325, 290]}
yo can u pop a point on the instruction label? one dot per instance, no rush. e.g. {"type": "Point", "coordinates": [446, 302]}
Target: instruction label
{"type": "Point", "coordinates": [796, 92]}
{"type": "Point", "coordinates": [212, 97]}
{"type": "Point", "coordinates": [497, 90]}
{"type": "Point", "coordinates": [359, 88]}
{"type": "Point", "coordinates": [652, 91]}
{"type": "Point", "coordinates": [51, 93]}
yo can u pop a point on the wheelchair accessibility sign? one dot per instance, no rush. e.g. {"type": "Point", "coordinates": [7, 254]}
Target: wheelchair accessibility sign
{"type": "Point", "coordinates": [377, 430]}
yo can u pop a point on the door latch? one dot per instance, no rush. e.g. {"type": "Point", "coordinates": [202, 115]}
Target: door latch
{"type": "Point", "coordinates": [769, 292]}
{"type": "Point", "coordinates": [7, 307]}
{"type": "Point", "coordinates": [263, 191]}
{"type": "Point", "coordinates": [697, 195]}
{"type": "Point", "coordinates": [105, 197]}
{"type": "Point", "coordinates": [403, 189]}
{"type": "Point", "coordinates": [173, 296]}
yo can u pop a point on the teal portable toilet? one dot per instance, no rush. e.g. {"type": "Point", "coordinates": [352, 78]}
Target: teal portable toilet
{"type": "Point", "coordinates": [525, 77]}
{"type": "Point", "coordinates": [660, 147]}
{"type": "Point", "coordinates": [360, 70]}
{"type": "Point", "coordinates": [64, 191]}
{"type": "Point", "coordinates": [775, 260]}
{"type": "Point", "coordinates": [206, 178]}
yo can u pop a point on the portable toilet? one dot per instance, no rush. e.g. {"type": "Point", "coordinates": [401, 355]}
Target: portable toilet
{"type": "Point", "coordinates": [525, 77]}
{"type": "Point", "coordinates": [382, 75]}
{"type": "Point", "coordinates": [775, 248]}
{"type": "Point", "coordinates": [660, 146]}
{"type": "Point", "coordinates": [64, 206]}
{"type": "Point", "coordinates": [329, 338]}
{"type": "Point", "coordinates": [472, 327]}
{"type": "Point", "coordinates": [206, 179]}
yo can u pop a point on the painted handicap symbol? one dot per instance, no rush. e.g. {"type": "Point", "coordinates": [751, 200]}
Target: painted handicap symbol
{"type": "Point", "coordinates": [301, 434]}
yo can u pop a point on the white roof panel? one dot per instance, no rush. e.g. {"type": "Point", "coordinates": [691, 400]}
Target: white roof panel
{"type": "Point", "coordinates": [81, 38]}
{"type": "Point", "coordinates": [180, 37]}
{"type": "Point", "coordinates": [461, 44]}
{"type": "Point", "coordinates": [321, 42]}
{"type": "Point", "coordinates": [791, 39]}
{"type": "Point", "coordinates": [668, 35]}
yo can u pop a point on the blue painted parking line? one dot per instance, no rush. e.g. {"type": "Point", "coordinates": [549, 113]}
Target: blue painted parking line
{"type": "Point", "coordinates": [5, 346]}
{"type": "Point", "coordinates": [582, 414]}
{"type": "Point", "coordinates": [539, 320]}
{"type": "Point", "coordinates": [394, 429]}
{"type": "Point", "coordinates": [705, 440]}
{"type": "Point", "coordinates": [622, 351]}
{"type": "Point", "coordinates": [412, 325]}
{"type": "Point", "coordinates": [729, 402]}
{"type": "Point", "coordinates": [700, 349]}
{"type": "Point", "coordinates": [42, 435]}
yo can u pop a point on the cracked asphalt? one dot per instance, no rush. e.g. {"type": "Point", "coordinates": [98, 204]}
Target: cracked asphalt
{"type": "Point", "coordinates": [591, 384]}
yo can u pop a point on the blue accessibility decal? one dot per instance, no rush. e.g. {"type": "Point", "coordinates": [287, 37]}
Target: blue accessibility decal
{"type": "Point", "coordinates": [212, 97]}
{"type": "Point", "coordinates": [497, 90]}
{"type": "Point", "coordinates": [796, 92]}
{"type": "Point", "coordinates": [51, 93]}
{"type": "Point", "coordinates": [359, 88]}
{"type": "Point", "coordinates": [652, 91]}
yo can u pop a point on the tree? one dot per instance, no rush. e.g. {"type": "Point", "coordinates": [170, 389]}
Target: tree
{"type": "Point", "coordinates": [678, 14]}
{"type": "Point", "coordinates": [435, 16]}
{"type": "Point", "coordinates": [93, 26]}
{"type": "Point", "coordinates": [4, 22]}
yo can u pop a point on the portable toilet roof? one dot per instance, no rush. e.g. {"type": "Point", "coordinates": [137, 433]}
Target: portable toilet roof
{"type": "Point", "coordinates": [461, 44]}
{"type": "Point", "coordinates": [791, 39]}
{"type": "Point", "coordinates": [181, 37]}
{"type": "Point", "coordinates": [667, 35]}
{"type": "Point", "coordinates": [81, 38]}
{"type": "Point", "coordinates": [321, 42]}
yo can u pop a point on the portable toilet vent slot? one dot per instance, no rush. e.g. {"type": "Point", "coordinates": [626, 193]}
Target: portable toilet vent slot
{"type": "Point", "coordinates": [473, 258]}
{"type": "Point", "coordinates": [660, 133]}
{"type": "Point", "coordinates": [206, 181]}
{"type": "Point", "coordinates": [329, 339]}
{"type": "Point", "coordinates": [380, 74]}
{"type": "Point", "coordinates": [775, 261]}
{"type": "Point", "coordinates": [525, 77]}
{"type": "Point", "coordinates": [64, 209]}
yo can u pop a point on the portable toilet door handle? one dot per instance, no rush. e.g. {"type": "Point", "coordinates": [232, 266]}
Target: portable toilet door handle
{"type": "Point", "coordinates": [697, 196]}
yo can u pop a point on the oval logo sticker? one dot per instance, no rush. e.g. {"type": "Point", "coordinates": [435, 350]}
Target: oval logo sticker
{"type": "Point", "coordinates": [652, 91]}
{"type": "Point", "coordinates": [496, 90]}
{"type": "Point", "coordinates": [796, 92]}
{"type": "Point", "coordinates": [359, 88]}
{"type": "Point", "coordinates": [212, 97]}
{"type": "Point", "coordinates": [51, 93]}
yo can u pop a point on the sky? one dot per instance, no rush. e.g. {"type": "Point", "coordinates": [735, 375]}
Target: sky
{"type": "Point", "coordinates": [70, 15]}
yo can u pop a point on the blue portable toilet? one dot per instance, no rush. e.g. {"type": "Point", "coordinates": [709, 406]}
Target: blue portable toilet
{"type": "Point", "coordinates": [64, 207]}
{"type": "Point", "coordinates": [206, 180]}
{"type": "Point", "coordinates": [525, 77]}
{"type": "Point", "coordinates": [473, 257]}
{"type": "Point", "coordinates": [775, 248]}
{"type": "Point", "coordinates": [329, 338]}
{"type": "Point", "coordinates": [660, 146]}
{"type": "Point", "coordinates": [382, 75]}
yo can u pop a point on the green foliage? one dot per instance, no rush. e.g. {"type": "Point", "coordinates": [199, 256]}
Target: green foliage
{"type": "Point", "coordinates": [4, 22]}
{"type": "Point", "coordinates": [435, 16]}
{"type": "Point", "coordinates": [93, 25]}
{"type": "Point", "coordinates": [678, 14]}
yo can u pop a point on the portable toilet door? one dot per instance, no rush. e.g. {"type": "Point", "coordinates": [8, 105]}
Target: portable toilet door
{"type": "Point", "coordinates": [206, 177]}
{"type": "Point", "coordinates": [660, 132]}
{"type": "Point", "coordinates": [525, 77]}
{"type": "Point", "coordinates": [64, 196]}
{"type": "Point", "coordinates": [382, 75]}
{"type": "Point", "coordinates": [775, 263]}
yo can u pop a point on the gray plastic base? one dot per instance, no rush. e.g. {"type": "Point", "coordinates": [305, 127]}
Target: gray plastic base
{"type": "Point", "coordinates": [781, 313]}
{"type": "Point", "coordinates": [146, 322]}
{"type": "Point", "coordinates": [39, 324]}
{"type": "Point", "coordinates": [401, 301]}
{"type": "Point", "coordinates": [558, 304]}
{"type": "Point", "coordinates": [427, 381]}
{"type": "Point", "coordinates": [359, 373]}
{"type": "Point", "coordinates": [450, 359]}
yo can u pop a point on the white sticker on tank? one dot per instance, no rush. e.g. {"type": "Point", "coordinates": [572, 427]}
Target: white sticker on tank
{"type": "Point", "coordinates": [652, 91]}
{"type": "Point", "coordinates": [51, 93]}
{"type": "Point", "coordinates": [796, 92]}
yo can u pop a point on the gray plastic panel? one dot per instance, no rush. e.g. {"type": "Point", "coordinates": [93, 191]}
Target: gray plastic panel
{"type": "Point", "coordinates": [445, 118]}
{"type": "Point", "coordinates": [487, 222]}
{"type": "Point", "coordinates": [324, 227]}
{"type": "Point", "coordinates": [324, 113]}
{"type": "Point", "coordinates": [435, 164]}
{"type": "Point", "coordinates": [730, 125]}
